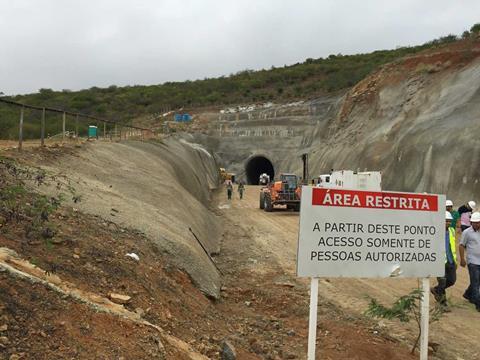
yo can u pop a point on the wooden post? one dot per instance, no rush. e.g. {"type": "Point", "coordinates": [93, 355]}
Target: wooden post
{"type": "Point", "coordinates": [104, 130]}
{"type": "Point", "coordinates": [64, 118]}
{"type": "Point", "coordinates": [76, 126]}
{"type": "Point", "coordinates": [42, 130]}
{"type": "Point", "coordinates": [20, 130]}
{"type": "Point", "coordinates": [115, 129]}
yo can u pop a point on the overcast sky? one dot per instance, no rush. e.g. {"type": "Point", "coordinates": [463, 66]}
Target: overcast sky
{"type": "Point", "coordinates": [71, 44]}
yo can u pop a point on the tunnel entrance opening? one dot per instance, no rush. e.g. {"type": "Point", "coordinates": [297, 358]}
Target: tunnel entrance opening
{"type": "Point", "coordinates": [257, 166]}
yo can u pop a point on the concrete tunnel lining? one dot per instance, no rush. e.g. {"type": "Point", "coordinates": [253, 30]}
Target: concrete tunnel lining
{"type": "Point", "coordinates": [256, 166]}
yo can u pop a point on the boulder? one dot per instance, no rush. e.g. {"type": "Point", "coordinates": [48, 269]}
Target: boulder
{"type": "Point", "coordinates": [228, 351]}
{"type": "Point", "coordinates": [119, 298]}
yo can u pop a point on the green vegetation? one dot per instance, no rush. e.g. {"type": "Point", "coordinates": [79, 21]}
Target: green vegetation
{"type": "Point", "coordinates": [404, 309]}
{"type": "Point", "coordinates": [24, 209]}
{"type": "Point", "coordinates": [309, 79]}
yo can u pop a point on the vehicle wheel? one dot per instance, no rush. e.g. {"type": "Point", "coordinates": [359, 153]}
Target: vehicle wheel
{"type": "Point", "coordinates": [262, 200]}
{"type": "Point", "coordinates": [268, 204]}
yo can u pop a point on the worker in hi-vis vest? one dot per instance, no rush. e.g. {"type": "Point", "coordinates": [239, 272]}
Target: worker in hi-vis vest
{"type": "Point", "coordinates": [470, 242]}
{"type": "Point", "coordinates": [450, 263]}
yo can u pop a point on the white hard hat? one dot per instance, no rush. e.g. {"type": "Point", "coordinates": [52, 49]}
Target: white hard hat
{"type": "Point", "coordinates": [475, 217]}
{"type": "Point", "coordinates": [472, 204]}
{"type": "Point", "coordinates": [448, 216]}
{"type": "Point", "coordinates": [449, 203]}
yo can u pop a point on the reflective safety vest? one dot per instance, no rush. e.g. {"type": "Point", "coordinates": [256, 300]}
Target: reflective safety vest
{"type": "Point", "coordinates": [453, 245]}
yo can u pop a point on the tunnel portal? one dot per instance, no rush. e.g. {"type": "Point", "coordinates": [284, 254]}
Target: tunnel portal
{"type": "Point", "coordinates": [257, 166]}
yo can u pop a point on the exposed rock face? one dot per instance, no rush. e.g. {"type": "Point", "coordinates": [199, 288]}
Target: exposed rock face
{"type": "Point", "coordinates": [421, 130]}
{"type": "Point", "coordinates": [416, 120]}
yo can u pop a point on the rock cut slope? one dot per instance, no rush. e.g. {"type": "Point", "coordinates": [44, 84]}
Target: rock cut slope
{"type": "Point", "coordinates": [160, 188]}
{"type": "Point", "coordinates": [417, 121]}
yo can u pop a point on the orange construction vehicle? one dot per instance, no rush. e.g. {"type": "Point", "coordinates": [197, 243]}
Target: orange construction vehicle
{"type": "Point", "coordinates": [286, 191]}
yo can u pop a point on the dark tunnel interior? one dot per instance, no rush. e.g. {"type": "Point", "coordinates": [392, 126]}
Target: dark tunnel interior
{"type": "Point", "coordinates": [257, 166]}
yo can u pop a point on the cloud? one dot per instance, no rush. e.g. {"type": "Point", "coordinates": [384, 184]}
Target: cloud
{"type": "Point", "coordinates": [72, 45]}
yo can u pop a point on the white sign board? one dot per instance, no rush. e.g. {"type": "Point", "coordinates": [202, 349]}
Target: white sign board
{"type": "Point", "coordinates": [352, 233]}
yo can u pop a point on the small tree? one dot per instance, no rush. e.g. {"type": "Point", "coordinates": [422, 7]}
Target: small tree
{"type": "Point", "coordinates": [466, 34]}
{"type": "Point", "coordinates": [475, 28]}
{"type": "Point", "coordinates": [405, 308]}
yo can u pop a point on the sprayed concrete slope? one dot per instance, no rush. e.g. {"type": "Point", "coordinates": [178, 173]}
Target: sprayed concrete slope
{"type": "Point", "coordinates": [422, 132]}
{"type": "Point", "coordinates": [161, 188]}
{"type": "Point", "coordinates": [416, 120]}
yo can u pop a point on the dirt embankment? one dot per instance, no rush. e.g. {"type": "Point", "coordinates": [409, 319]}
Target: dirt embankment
{"type": "Point", "coordinates": [161, 188]}
{"type": "Point", "coordinates": [60, 269]}
{"type": "Point", "coordinates": [56, 289]}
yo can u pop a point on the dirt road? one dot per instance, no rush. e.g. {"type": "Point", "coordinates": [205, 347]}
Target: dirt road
{"type": "Point", "coordinates": [275, 240]}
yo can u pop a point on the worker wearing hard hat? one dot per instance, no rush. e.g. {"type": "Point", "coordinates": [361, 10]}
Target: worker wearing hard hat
{"type": "Point", "coordinates": [471, 242]}
{"type": "Point", "coordinates": [465, 212]}
{"type": "Point", "coordinates": [455, 214]}
{"type": "Point", "coordinates": [450, 263]}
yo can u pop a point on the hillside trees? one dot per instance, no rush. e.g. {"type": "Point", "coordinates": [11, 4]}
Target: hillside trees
{"type": "Point", "coordinates": [312, 78]}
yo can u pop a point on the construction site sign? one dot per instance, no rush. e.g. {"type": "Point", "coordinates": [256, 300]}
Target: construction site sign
{"type": "Point", "coordinates": [352, 233]}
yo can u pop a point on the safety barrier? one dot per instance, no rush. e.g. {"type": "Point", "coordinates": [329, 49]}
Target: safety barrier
{"type": "Point", "coordinates": [119, 131]}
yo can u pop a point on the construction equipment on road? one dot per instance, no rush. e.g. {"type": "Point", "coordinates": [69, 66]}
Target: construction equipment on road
{"type": "Point", "coordinates": [286, 191]}
{"type": "Point", "coordinates": [226, 176]}
{"type": "Point", "coordinates": [348, 179]}
{"type": "Point", "coordinates": [264, 179]}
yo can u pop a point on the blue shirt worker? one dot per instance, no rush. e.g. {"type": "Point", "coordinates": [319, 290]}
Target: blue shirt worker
{"type": "Point", "coordinates": [471, 242]}
{"type": "Point", "coordinates": [450, 263]}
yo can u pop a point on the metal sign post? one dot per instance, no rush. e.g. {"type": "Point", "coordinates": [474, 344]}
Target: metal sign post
{"type": "Point", "coordinates": [425, 315]}
{"type": "Point", "coordinates": [312, 322]}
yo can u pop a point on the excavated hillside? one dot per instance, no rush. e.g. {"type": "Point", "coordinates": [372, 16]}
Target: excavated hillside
{"type": "Point", "coordinates": [409, 119]}
{"type": "Point", "coordinates": [132, 184]}
{"type": "Point", "coordinates": [416, 120]}
{"type": "Point", "coordinates": [205, 277]}
{"type": "Point", "coordinates": [71, 287]}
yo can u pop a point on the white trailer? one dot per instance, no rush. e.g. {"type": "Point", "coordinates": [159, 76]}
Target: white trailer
{"type": "Point", "coordinates": [348, 179]}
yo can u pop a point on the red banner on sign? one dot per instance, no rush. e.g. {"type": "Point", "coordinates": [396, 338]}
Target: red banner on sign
{"type": "Point", "coordinates": [374, 199]}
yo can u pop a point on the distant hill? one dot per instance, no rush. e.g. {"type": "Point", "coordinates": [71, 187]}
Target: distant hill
{"type": "Point", "coordinates": [311, 78]}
